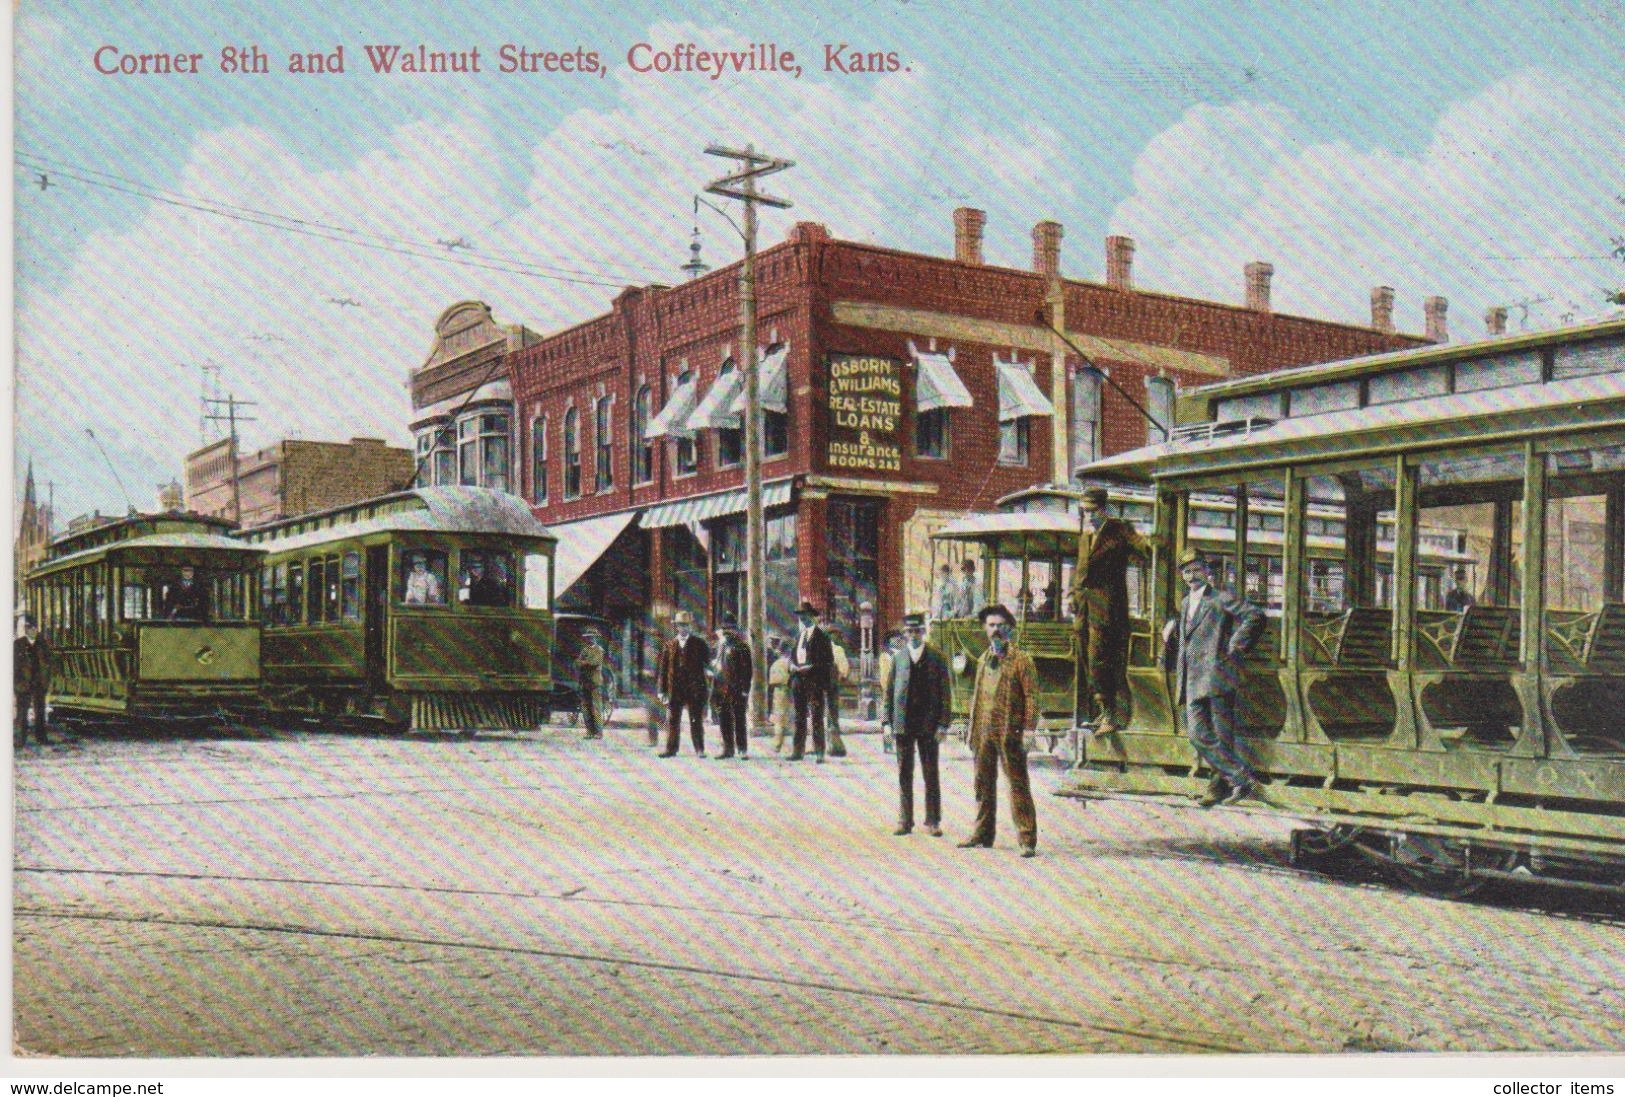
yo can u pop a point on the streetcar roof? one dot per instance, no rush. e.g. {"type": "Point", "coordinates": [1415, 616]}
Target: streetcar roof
{"type": "Point", "coordinates": [443, 509]}
{"type": "Point", "coordinates": [1005, 533]}
{"type": "Point", "coordinates": [169, 549]}
{"type": "Point", "coordinates": [1456, 419]}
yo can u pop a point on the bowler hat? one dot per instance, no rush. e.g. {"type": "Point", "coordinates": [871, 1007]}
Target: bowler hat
{"type": "Point", "coordinates": [1192, 556]}
{"type": "Point", "coordinates": [683, 617]}
{"type": "Point", "coordinates": [913, 620]}
{"type": "Point", "coordinates": [996, 608]}
{"type": "Point", "coordinates": [1096, 496]}
{"type": "Point", "coordinates": [806, 607]}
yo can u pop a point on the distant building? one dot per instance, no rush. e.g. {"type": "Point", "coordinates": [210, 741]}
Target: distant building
{"type": "Point", "coordinates": [462, 401]}
{"type": "Point", "coordinates": [33, 535]}
{"type": "Point", "coordinates": [292, 477]}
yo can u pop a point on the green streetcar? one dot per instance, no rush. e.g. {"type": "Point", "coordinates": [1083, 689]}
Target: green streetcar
{"type": "Point", "coordinates": [429, 610]}
{"type": "Point", "coordinates": [150, 617]}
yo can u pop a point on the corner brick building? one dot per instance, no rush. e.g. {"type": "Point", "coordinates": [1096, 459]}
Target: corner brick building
{"type": "Point", "coordinates": [292, 477]}
{"type": "Point", "coordinates": [900, 390]}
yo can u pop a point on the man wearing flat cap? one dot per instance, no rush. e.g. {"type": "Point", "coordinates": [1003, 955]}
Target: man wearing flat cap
{"type": "Point", "coordinates": [1003, 708]}
{"type": "Point", "coordinates": [812, 666]}
{"type": "Point", "coordinates": [731, 672]}
{"type": "Point", "coordinates": [590, 680]}
{"type": "Point", "coordinates": [1213, 632]}
{"type": "Point", "coordinates": [1106, 546]}
{"type": "Point", "coordinates": [680, 680]}
{"type": "Point", "coordinates": [914, 710]}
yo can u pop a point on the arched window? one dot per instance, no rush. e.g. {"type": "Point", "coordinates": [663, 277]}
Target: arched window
{"type": "Point", "coordinates": [603, 440]}
{"type": "Point", "coordinates": [538, 460]}
{"type": "Point", "coordinates": [643, 450]}
{"type": "Point", "coordinates": [572, 455]}
{"type": "Point", "coordinates": [688, 449]}
{"type": "Point", "coordinates": [776, 424]}
{"type": "Point", "coordinates": [730, 440]}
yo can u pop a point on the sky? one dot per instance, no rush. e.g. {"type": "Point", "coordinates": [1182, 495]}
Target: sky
{"type": "Point", "coordinates": [298, 234]}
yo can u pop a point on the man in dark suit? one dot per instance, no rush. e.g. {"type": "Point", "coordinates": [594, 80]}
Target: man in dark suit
{"type": "Point", "coordinates": [184, 599]}
{"type": "Point", "coordinates": [484, 589]}
{"type": "Point", "coordinates": [812, 665]}
{"type": "Point", "coordinates": [732, 672]}
{"type": "Point", "coordinates": [1106, 546]}
{"type": "Point", "coordinates": [1214, 632]}
{"type": "Point", "coordinates": [680, 678]}
{"type": "Point", "coordinates": [31, 663]}
{"type": "Point", "coordinates": [915, 710]}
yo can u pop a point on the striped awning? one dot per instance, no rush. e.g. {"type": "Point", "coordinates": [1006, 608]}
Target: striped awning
{"type": "Point", "coordinates": [702, 507]}
{"type": "Point", "coordinates": [773, 384]}
{"type": "Point", "coordinates": [673, 418]}
{"type": "Point", "coordinates": [715, 410]}
{"type": "Point", "coordinates": [1019, 395]}
{"type": "Point", "coordinates": [937, 385]}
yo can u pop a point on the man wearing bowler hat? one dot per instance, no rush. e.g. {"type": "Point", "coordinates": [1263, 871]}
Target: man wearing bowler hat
{"type": "Point", "coordinates": [1003, 707]}
{"type": "Point", "coordinates": [812, 665]}
{"type": "Point", "coordinates": [914, 708]}
{"type": "Point", "coordinates": [680, 680]}
{"type": "Point", "coordinates": [732, 672]}
{"type": "Point", "coordinates": [1106, 546]}
{"type": "Point", "coordinates": [1214, 631]}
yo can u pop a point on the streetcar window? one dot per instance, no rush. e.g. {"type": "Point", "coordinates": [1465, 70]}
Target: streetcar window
{"type": "Point", "coordinates": [351, 584]}
{"type": "Point", "coordinates": [296, 593]}
{"type": "Point", "coordinates": [423, 578]}
{"type": "Point", "coordinates": [485, 578]}
{"type": "Point", "coordinates": [330, 604]}
{"type": "Point", "coordinates": [279, 595]}
{"type": "Point", "coordinates": [1008, 589]}
{"type": "Point", "coordinates": [538, 580]}
{"type": "Point", "coordinates": [185, 595]}
{"type": "Point", "coordinates": [136, 602]}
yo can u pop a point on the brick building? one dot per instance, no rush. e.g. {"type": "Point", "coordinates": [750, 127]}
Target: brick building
{"type": "Point", "coordinates": [292, 477]}
{"type": "Point", "coordinates": [899, 390]}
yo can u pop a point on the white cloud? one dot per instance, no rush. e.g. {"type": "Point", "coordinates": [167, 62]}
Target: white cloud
{"type": "Point", "coordinates": [1512, 198]}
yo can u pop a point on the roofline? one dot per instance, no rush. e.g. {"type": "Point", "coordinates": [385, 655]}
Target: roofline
{"type": "Point", "coordinates": [1367, 365]}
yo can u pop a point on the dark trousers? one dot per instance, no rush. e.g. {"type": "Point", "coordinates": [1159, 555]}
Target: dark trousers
{"type": "Point", "coordinates": [1211, 724]}
{"type": "Point", "coordinates": [1104, 673]}
{"type": "Point", "coordinates": [809, 699]}
{"type": "Point", "coordinates": [29, 700]}
{"type": "Point", "coordinates": [832, 716]}
{"type": "Point", "coordinates": [695, 707]}
{"type": "Point", "coordinates": [927, 746]}
{"type": "Point", "coordinates": [1007, 750]}
{"type": "Point", "coordinates": [589, 711]}
{"type": "Point", "coordinates": [731, 721]}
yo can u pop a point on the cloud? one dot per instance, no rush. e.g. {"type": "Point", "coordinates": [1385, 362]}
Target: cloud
{"type": "Point", "coordinates": [1511, 199]}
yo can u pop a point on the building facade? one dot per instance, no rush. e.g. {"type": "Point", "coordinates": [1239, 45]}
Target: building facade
{"type": "Point", "coordinates": [899, 390]}
{"type": "Point", "coordinates": [292, 477]}
{"type": "Point", "coordinates": [462, 401]}
{"type": "Point", "coordinates": [33, 539]}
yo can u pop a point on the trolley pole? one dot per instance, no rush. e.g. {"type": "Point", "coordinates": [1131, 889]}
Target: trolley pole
{"type": "Point", "coordinates": [741, 185]}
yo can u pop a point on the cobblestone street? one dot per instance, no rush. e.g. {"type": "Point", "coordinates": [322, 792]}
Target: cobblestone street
{"type": "Point", "coordinates": [534, 894]}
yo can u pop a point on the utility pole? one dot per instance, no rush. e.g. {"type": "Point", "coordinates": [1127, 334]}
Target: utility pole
{"type": "Point", "coordinates": [213, 414]}
{"type": "Point", "coordinates": [741, 185]}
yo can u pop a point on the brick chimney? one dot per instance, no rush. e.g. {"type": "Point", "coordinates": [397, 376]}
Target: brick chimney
{"type": "Point", "coordinates": [968, 234]}
{"type": "Point", "coordinates": [1382, 308]}
{"type": "Point", "coordinates": [1495, 320]}
{"type": "Point", "coordinates": [1437, 330]}
{"type": "Point", "coordinates": [1047, 248]}
{"type": "Point", "coordinates": [1258, 286]}
{"type": "Point", "coordinates": [1120, 262]}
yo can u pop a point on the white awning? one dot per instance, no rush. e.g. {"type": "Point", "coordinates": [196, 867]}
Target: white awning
{"type": "Point", "coordinates": [715, 411]}
{"type": "Point", "coordinates": [1019, 395]}
{"type": "Point", "coordinates": [701, 507]}
{"type": "Point", "coordinates": [673, 418]}
{"type": "Point", "coordinates": [937, 385]}
{"type": "Point", "coordinates": [581, 544]}
{"type": "Point", "coordinates": [772, 384]}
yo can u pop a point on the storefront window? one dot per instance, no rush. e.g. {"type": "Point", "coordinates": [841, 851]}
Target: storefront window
{"type": "Point", "coordinates": [423, 578]}
{"type": "Point", "coordinates": [854, 560]}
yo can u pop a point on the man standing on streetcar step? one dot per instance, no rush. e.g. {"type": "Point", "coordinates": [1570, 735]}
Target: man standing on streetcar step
{"type": "Point", "coordinates": [680, 678]}
{"type": "Point", "coordinates": [1100, 608]}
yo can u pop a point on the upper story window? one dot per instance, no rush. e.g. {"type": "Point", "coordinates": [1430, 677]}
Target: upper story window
{"type": "Point", "coordinates": [604, 438]}
{"type": "Point", "coordinates": [643, 450]}
{"type": "Point", "coordinates": [468, 442]}
{"type": "Point", "coordinates": [730, 440]}
{"type": "Point", "coordinates": [931, 433]}
{"type": "Point", "coordinates": [688, 449]}
{"type": "Point", "coordinates": [538, 460]}
{"type": "Point", "coordinates": [494, 461]}
{"type": "Point", "coordinates": [572, 455]}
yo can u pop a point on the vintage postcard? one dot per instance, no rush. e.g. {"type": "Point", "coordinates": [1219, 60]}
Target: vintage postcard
{"type": "Point", "coordinates": [768, 534]}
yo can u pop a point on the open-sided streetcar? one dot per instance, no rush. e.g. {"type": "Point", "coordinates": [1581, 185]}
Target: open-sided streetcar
{"type": "Point", "coordinates": [1457, 738]}
{"type": "Point", "coordinates": [150, 617]}
{"type": "Point", "coordinates": [428, 609]}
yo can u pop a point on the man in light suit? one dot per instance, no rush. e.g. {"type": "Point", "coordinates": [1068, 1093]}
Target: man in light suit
{"type": "Point", "coordinates": [1213, 633]}
{"type": "Point", "coordinates": [915, 708]}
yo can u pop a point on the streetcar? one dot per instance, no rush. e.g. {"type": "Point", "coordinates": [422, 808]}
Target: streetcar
{"type": "Point", "coordinates": [1454, 742]}
{"type": "Point", "coordinates": [428, 609]}
{"type": "Point", "coordinates": [150, 618]}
